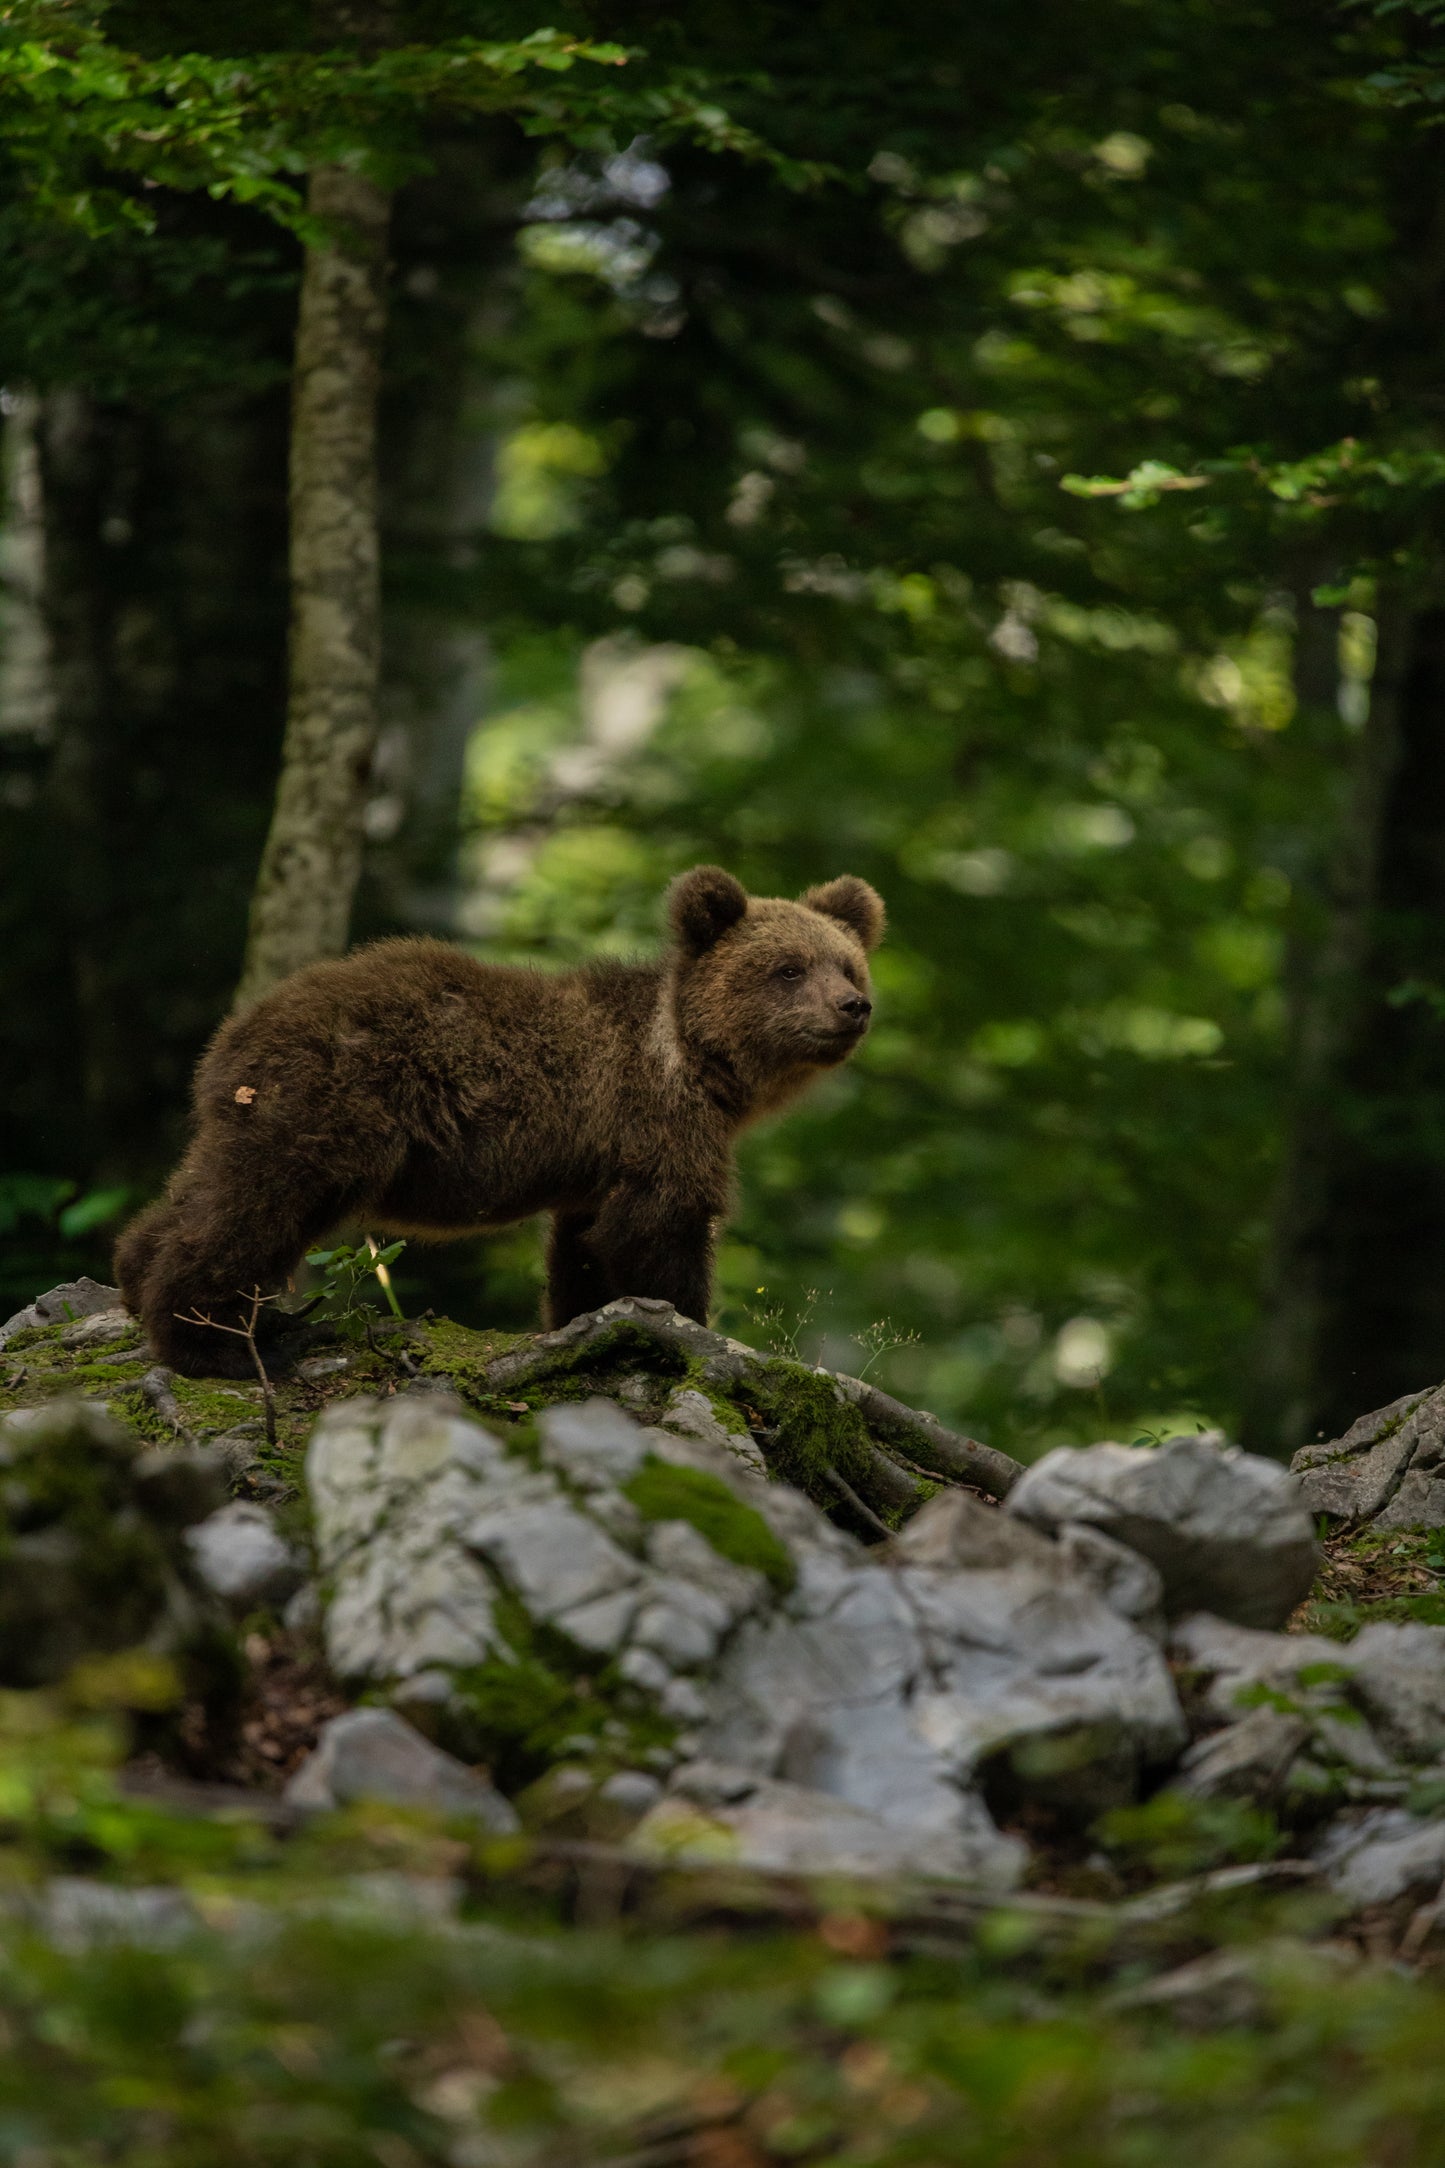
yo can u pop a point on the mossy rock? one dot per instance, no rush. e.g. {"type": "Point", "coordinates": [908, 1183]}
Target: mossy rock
{"type": "Point", "coordinates": [661, 1491]}
{"type": "Point", "coordinates": [92, 1553]}
{"type": "Point", "coordinates": [544, 1701]}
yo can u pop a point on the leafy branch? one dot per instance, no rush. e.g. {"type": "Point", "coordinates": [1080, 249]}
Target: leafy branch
{"type": "Point", "coordinates": [250, 127]}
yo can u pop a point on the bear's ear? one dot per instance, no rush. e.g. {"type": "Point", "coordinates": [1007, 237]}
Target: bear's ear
{"type": "Point", "coordinates": [854, 903]}
{"type": "Point", "coordinates": [703, 904]}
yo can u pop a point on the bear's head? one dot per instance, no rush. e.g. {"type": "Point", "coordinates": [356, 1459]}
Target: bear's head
{"type": "Point", "coordinates": [768, 991]}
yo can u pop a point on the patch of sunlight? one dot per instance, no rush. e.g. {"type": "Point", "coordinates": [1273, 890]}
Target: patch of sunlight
{"type": "Point", "coordinates": [1082, 1352]}
{"type": "Point", "coordinates": [541, 469]}
{"type": "Point", "coordinates": [1138, 1028]}
{"type": "Point", "coordinates": [1075, 828]}
{"type": "Point", "coordinates": [1010, 1043]}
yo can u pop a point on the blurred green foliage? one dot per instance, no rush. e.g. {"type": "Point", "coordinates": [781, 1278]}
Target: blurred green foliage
{"type": "Point", "coordinates": [195, 1990]}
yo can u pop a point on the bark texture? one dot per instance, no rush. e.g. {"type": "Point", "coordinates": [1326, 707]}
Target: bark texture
{"type": "Point", "coordinates": [1358, 1299]}
{"type": "Point", "coordinates": [312, 861]}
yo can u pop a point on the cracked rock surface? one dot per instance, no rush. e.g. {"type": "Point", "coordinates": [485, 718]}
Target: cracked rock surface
{"type": "Point", "coordinates": [1228, 1532]}
{"type": "Point", "coordinates": [892, 1685]}
{"type": "Point", "coordinates": [1387, 1471]}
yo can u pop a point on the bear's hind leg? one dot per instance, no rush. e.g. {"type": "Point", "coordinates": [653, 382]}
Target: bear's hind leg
{"type": "Point", "coordinates": [213, 1253]}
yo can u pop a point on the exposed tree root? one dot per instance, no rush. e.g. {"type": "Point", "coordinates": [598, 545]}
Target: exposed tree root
{"type": "Point", "coordinates": [873, 1482]}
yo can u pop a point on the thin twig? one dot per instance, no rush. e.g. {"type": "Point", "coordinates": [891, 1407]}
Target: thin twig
{"type": "Point", "coordinates": [246, 1332]}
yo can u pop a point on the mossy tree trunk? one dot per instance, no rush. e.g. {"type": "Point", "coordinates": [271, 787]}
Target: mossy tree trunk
{"type": "Point", "coordinates": [301, 909]}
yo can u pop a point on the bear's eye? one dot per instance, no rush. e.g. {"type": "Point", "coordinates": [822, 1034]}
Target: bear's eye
{"type": "Point", "coordinates": [791, 972]}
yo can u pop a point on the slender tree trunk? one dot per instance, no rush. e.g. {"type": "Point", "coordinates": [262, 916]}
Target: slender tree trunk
{"type": "Point", "coordinates": [1360, 1269]}
{"type": "Point", "coordinates": [301, 909]}
{"type": "Point", "coordinates": [1328, 1001]}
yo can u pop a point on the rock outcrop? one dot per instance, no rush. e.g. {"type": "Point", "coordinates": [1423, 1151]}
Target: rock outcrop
{"type": "Point", "coordinates": [1228, 1532]}
{"type": "Point", "coordinates": [1387, 1471]}
{"type": "Point", "coordinates": [636, 1583]}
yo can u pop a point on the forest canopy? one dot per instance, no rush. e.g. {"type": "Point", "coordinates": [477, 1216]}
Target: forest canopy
{"type": "Point", "coordinates": [1006, 468]}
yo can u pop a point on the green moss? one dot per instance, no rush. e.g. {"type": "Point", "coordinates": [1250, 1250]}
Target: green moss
{"type": "Point", "coordinates": [458, 1353]}
{"type": "Point", "coordinates": [97, 1376]}
{"type": "Point", "coordinates": [523, 1711]}
{"type": "Point", "coordinates": [1173, 1836]}
{"type": "Point", "coordinates": [32, 1339]}
{"type": "Point", "coordinates": [727, 1411]}
{"type": "Point", "coordinates": [805, 1427]}
{"type": "Point", "coordinates": [662, 1492]}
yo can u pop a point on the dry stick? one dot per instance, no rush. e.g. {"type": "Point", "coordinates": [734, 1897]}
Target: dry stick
{"type": "Point", "coordinates": [247, 1332]}
{"type": "Point", "coordinates": [155, 1387]}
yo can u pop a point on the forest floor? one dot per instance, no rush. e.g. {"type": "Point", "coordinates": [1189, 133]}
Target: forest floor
{"type": "Point", "coordinates": [411, 1994]}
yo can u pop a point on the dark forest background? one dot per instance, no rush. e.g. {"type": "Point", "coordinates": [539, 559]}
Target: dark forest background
{"type": "Point", "coordinates": [1034, 506]}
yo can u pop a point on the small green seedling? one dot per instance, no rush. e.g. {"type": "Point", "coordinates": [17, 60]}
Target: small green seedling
{"type": "Point", "coordinates": [342, 1272]}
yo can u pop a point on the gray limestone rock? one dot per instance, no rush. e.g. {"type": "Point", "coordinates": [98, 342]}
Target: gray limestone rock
{"type": "Point", "coordinates": [591, 1439]}
{"type": "Point", "coordinates": [547, 1552]}
{"type": "Point", "coordinates": [893, 1685]}
{"type": "Point", "coordinates": [105, 1328]}
{"type": "Point", "coordinates": [74, 1299]}
{"type": "Point", "coordinates": [886, 1684]}
{"type": "Point", "coordinates": [1226, 1660]}
{"type": "Point", "coordinates": [1391, 1676]}
{"type": "Point", "coordinates": [1388, 1467]}
{"type": "Point", "coordinates": [715, 1817]}
{"type": "Point", "coordinates": [1379, 1856]}
{"type": "Point", "coordinates": [1124, 1578]}
{"type": "Point", "coordinates": [1247, 1760]}
{"type": "Point", "coordinates": [1419, 1502]}
{"type": "Point", "coordinates": [1397, 1679]}
{"type": "Point", "coordinates": [374, 1754]}
{"type": "Point", "coordinates": [1228, 1531]}
{"type": "Point", "coordinates": [243, 1558]}
{"type": "Point", "coordinates": [691, 1415]}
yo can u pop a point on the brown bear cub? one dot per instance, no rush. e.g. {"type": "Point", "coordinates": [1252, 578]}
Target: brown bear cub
{"type": "Point", "coordinates": [415, 1090]}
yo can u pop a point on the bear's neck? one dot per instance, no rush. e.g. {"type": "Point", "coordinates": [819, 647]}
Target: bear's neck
{"type": "Point", "coordinates": [693, 1068]}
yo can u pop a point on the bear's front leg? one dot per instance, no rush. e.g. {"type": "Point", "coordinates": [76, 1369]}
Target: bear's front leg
{"type": "Point", "coordinates": [650, 1243]}
{"type": "Point", "coordinates": [576, 1281]}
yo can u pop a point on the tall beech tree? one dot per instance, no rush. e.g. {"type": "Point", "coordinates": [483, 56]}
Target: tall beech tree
{"type": "Point", "coordinates": [301, 909]}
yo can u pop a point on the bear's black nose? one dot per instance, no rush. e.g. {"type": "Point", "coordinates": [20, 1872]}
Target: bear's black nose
{"type": "Point", "coordinates": [855, 1008]}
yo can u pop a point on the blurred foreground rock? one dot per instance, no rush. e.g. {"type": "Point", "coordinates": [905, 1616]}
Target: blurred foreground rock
{"type": "Point", "coordinates": [372, 1754]}
{"type": "Point", "coordinates": [722, 1618]}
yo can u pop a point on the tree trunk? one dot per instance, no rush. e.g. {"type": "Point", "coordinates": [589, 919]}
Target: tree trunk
{"type": "Point", "coordinates": [312, 861]}
{"type": "Point", "coordinates": [1359, 1279]}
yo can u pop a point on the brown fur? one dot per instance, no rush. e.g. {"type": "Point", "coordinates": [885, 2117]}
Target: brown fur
{"type": "Point", "coordinates": [420, 1092]}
